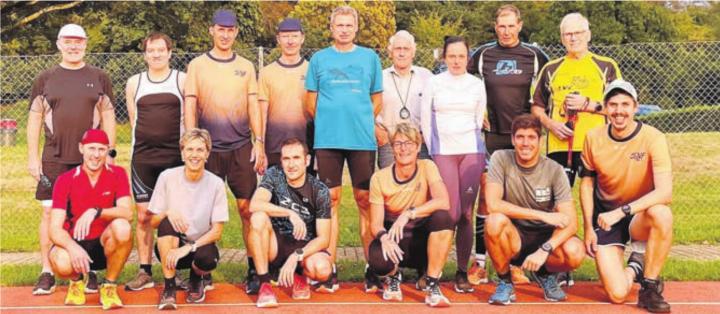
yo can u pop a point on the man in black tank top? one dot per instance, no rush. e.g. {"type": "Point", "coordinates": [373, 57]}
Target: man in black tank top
{"type": "Point", "coordinates": [154, 102]}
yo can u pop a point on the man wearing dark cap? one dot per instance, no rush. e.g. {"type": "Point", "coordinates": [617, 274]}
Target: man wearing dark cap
{"type": "Point", "coordinates": [89, 223]}
{"type": "Point", "coordinates": [221, 97]}
{"type": "Point", "coordinates": [625, 191]}
{"type": "Point", "coordinates": [65, 101]}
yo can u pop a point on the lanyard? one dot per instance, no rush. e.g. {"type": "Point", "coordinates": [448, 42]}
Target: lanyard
{"type": "Point", "coordinates": [404, 112]}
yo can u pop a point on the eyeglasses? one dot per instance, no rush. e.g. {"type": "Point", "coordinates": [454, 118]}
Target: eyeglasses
{"type": "Point", "coordinates": [408, 144]}
{"type": "Point", "coordinates": [573, 34]}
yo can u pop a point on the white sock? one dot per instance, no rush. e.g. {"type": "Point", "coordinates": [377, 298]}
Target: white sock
{"type": "Point", "coordinates": [480, 260]}
{"type": "Point", "coordinates": [638, 246]}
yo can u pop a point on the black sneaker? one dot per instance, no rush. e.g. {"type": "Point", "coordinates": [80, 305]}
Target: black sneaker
{"type": "Point", "coordinates": [565, 279]}
{"type": "Point", "coordinates": [207, 282]}
{"type": "Point", "coordinates": [252, 283]}
{"type": "Point", "coordinates": [421, 283]}
{"type": "Point", "coordinates": [196, 294]}
{"type": "Point", "coordinates": [45, 284]}
{"type": "Point", "coordinates": [372, 281]}
{"type": "Point", "coordinates": [636, 262]}
{"type": "Point", "coordinates": [650, 297]}
{"type": "Point", "coordinates": [168, 301]}
{"type": "Point", "coordinates": [92, 283]}
{"type": "Point", "coordinates": [462, 285]}
{"type": "Point", "coordinates": [329, 286]}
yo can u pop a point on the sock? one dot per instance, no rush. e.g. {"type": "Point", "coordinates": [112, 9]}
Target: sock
{"type": "Point", "coordinates": [542, 272]}
{"type": "Point", "coordinates": [432, 280]}
{"type": "Point", "coordinates": [480, 260]}
{"type": "Point", "coordinates": [251, 265]}
{"type": "Point", "coordinates": [480, 237]}
{"type": "Point", "coordinates": [505, 277]}
{"type": "Point", "coordinates": [170, 282]}
{"type": "Point", "coordinates": [194, 277]}
{"type": "Point", "coordinates": [111, 282]}
{"type": "Point", "coordinates": [638, 246]}
{"type": "Point", "coordinates": [147, 268]}
{"type": "Point", "coordinates": [334, 269]}
{"type": "Point", "coordinates": [264, 278]}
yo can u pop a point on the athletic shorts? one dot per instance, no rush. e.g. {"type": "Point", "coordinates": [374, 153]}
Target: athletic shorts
{"type": "Point", "coordinates": [235, 167]}
{"type": "Point", "coordinates": [530, 242]}
{"type": "Point", "coordinates": [205, 257]}
{"type": "Point", "coordinates": [361, 164]}
{"type": "Point", "coordinates": [273, 159]}
{"type": "Point", "coordinates": [96, 252]}
{"type": "Point", "coordinates": [143, 177]}
{"type": "Point", "coordinates": [619, 233]}
{"type": "Point", "coordinates": [52, 170]}
{"type": "Point", "coordinates": [561, 158]}
{"type": "Point", "coordinates": [414, 243]}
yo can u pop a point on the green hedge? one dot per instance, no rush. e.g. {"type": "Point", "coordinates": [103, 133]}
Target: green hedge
{"type": "Point", "coordinates": [688, 119]}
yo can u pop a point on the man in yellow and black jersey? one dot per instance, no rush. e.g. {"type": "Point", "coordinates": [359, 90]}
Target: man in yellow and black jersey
{"type": "Point", "coordinates": [567, 96]}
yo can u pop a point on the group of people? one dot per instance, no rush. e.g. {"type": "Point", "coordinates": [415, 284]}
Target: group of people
{"type": "Point", "coordinates": [440, 141]}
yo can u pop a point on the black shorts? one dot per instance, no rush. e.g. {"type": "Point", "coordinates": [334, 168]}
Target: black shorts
{"type": "Point", "coordinates": [143, 177]}
{"type": "Point", "coordinates": [235, 167]}
{"type": "Point", "coordinates": [361, 164]}
{"type": "Point", "coordinates": [619, 233]}
{"type": "Point", "coordinates": [496, 141]}
{"type": "Point", "coordinates": [205, 257]}
{"type": "Point", "coordinates": [96, 252]}
{"type": "Point", "coordinates": [286, 246]}
{"type": "Point", "coordinates": [530, 242]}
{"type": "Point", "coordinates": [52, 170]}
{"type": "Point", "coordinates": [273, 159]}
{"type": "Point", "coordinates": [561, 158]}
{"type": "Point", "coordinates": [414, 243]}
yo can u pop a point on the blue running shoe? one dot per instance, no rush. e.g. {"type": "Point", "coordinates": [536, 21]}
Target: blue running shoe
{"type": "Point", "coordinates": [549, 284]}
{"type": "Point", "coordinates": [504, 293]}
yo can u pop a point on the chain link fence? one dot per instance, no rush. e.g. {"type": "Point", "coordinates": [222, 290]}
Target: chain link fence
{"type": "Point", "coordinates": [679, 86]}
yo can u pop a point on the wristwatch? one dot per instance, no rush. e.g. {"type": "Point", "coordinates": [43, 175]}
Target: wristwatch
{"type": "Point", "coordinates": [98, 210]}
{"type": "Point", "coordinates": [193, 248]}
{"type": "Point", "coordinates": [299, 252]}
{"type": "Point", "coordinates": [259, 139]}
{"type": "Point", "coordinates": [411, 210]}
{"type": "Point", "coordinates": [112, 153]}
{"type": "Point", "coordinates": [626, 209]}
{"type": "Point", "coordinates": [547, 247]}
{"type": "Point", "coordinates": [598, 107]}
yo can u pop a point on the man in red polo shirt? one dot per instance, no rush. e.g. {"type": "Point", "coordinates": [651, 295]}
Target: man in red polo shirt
{"type": "Point", "coordinates": [89, 223]}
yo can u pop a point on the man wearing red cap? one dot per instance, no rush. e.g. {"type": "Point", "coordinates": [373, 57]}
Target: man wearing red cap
{"type": "Point", "coordinates": [89, 222]}
{"type": "Point", "coordinates": [66, 100]}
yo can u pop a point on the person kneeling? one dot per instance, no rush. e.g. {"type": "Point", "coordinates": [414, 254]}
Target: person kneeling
{"type": "Point", "coordinates": [409, 218]}
{"type": "Point", "coordinates": [90, 222]}
{"type": "Point", "coordinates": [532, 221]}
{"type": "Point", "coordinates": [290, 226]}
{"type": "Point", "coordinates": [189, 207]}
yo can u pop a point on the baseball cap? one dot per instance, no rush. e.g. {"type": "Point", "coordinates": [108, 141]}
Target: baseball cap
{"type": "Point", "coordinates": [622, 85]}
{"type": "Point", "coordinates": [72, 30]}
{"type": "Point", "coordinates": [224, 18]}
{"type": "Point", "coordinates": [95, 136]}
{"type": "Point", "coordinates": [290, 25]}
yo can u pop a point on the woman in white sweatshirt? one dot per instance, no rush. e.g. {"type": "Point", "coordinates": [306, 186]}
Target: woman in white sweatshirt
{"type": "Point", "coordinates": [452, 112]}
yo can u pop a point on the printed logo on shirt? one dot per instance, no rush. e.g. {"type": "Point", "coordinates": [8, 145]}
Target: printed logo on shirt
{"type": "Point", "coordinates": [507, 67]}
{"type": "Point", "coordinates": [576, 83]}
{"type": "Point", "coordinates": [89, 85]}
{"type": "Point", "coordinates": [298, 208]}
{"type": "Point", "coordinates": [543, 194]}
{"type": "Point", "coordinates": [106, 193]}
{"type": "Point", "coordinates": [240, 73]}
{"type": "Point", "coordinates": [637, 156]}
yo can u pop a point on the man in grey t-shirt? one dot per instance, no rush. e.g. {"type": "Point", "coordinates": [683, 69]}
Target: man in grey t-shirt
{"type": "Point", "coordinates": [532, 221]}
{"type": "Point", "coordinates": [189, 207]}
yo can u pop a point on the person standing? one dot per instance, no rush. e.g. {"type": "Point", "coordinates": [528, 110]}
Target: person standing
{"type": "Point", "coordinates": [65, 101]}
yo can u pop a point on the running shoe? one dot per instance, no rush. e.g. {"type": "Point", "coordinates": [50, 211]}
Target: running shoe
{"type": "Point", "coordinates": [92, 283]}
{"type": "Point", "coordinates": [477, 275]}
{"type": "Point", "coordinates": [45, 284]}
{"type": "Point", "coordinates": [109, 297]}
{"type": "Point", "coordinates": [393, 292]}
{"type": "Point", "coordinates": [329, 286]}
{"type": "Point", "coordinates": [435, 297]}
{"type": "Point", "coordinates": [518, 276]}
{"type": "Point", "coordinates": [549, 284]}
{"type": "Point", "coordinates": [141, 281]}
{"type": "Point", "coordinates": [266, 296]}
{"type": "Point", "coordinates": [196, 294]}
{"type": "Point", "coordinates": [462, 285]}
{"type": "Point", "coordinates": [504, 293]}
{"type": "Point", "coordinates": [422, 283]}
{"type": "Point", "coordinates": [167, 299]}
{"type": "Point", "coordinates": [650, 297]}
{"type": "Point", "coordinates": [300, 288]}
{"type": "Point", "coordinates": [252, 285]}
{"type": "Point", "coordinates": [76, 293]}
{"type": "Point", "coordinates": [372, 281]}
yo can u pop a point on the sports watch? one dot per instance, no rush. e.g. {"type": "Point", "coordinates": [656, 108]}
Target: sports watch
{"type": "Point", "coordinates": [547, 247]}
{"type": "Point", "coordinates": [112, 153]}
{"type": "Point", "coordinates": [299, 252]}
{"type": "Point", "coordinates": [626, 209]}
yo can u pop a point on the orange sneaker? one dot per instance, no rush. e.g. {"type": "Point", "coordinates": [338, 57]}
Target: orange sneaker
{"type": "Point", "coordinates": [518, 276]}
{"type": "Point", "coordinates": [300, 289]}
{"type": "Point", "coordinates": [477, 275]}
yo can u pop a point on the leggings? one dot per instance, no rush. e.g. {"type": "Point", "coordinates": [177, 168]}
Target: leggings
{"type": "Point", "coordinates": [461, 174]}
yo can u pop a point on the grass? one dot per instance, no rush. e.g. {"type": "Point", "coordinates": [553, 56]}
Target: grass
{"type": "Point", "coordinates": [674, 270]}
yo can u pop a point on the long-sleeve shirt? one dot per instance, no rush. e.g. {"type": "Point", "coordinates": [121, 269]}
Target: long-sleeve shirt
{"type": "Point", "coordinates": [452, 113]}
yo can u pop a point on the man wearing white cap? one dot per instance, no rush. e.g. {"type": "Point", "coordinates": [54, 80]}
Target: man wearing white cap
{"type": "Point", "coordinates": [625, 191]}
{"type": "Point", "coordinates": [66, 100]}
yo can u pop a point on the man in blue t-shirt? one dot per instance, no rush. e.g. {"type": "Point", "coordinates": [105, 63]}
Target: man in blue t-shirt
{"type": "Point", "coordinates": [344, 84]}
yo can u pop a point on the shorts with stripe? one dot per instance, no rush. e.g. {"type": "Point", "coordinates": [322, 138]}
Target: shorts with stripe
{"type": "Point", "coordinates": [52, 170]}
{"type": "Point", "coordinates": [145, 175]}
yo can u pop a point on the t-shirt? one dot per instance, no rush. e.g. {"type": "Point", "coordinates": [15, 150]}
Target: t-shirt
{"type": "Point", "coordinates": [508, 74]}
{"type": "Point", "coordinates": [452, 114]}
{"type": "Point", "coordinates": [222, 88]}
{"type": "Point", "coordinates": [344, 117]}
{"type": "Point", "coordinates": [71, 102]}
{"type": "Point", "coordinates": [397, 196]}
{"type": "Point", "coordinates": [311, 201]}
{"type": "Point", "coordinates": [397, 89]}
{"type": "Point", "coordinates": [565, 75]}
{"type": "Point", "coordinates": [201, 203]}
{"type": "Point", "coordinates": [625, 169]}
{"type": "Point", "coordinates": [75, 194]}
{"type": "Point", "coordinates": [541, 187]}
{"type": "Point", "coordinates": [158, 120]}
{"type": "Point", "coordinates": [283, 87]}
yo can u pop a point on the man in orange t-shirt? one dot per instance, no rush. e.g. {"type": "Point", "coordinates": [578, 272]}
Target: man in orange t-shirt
{"type": "Point", "coordinates": [625, 191]}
